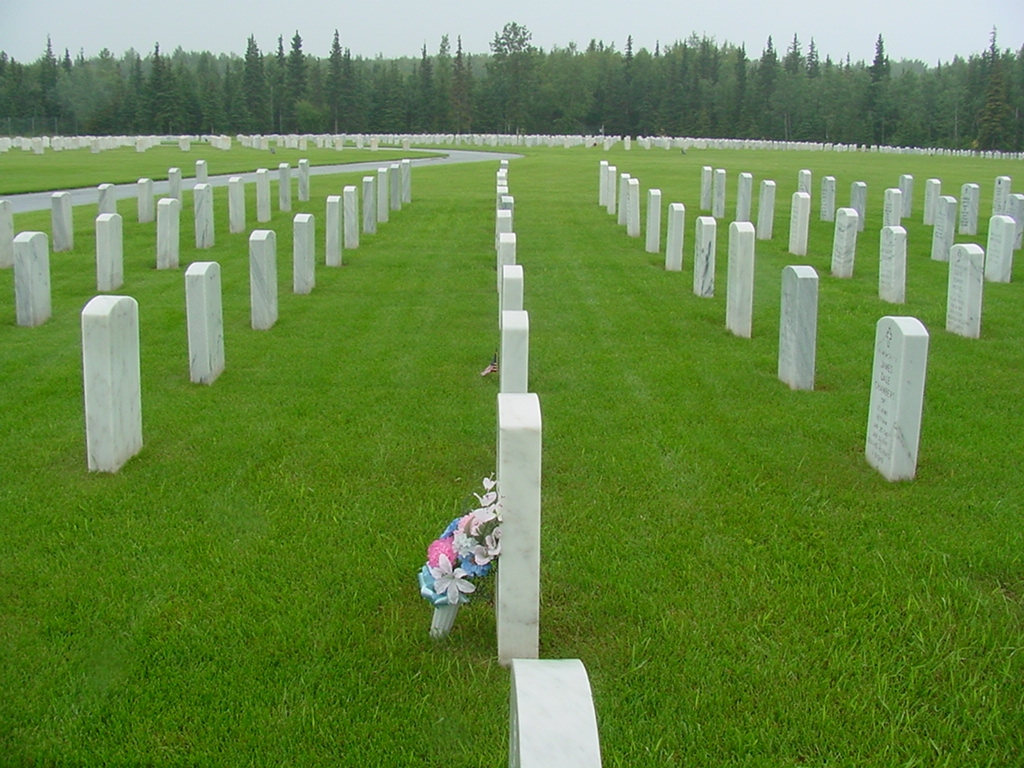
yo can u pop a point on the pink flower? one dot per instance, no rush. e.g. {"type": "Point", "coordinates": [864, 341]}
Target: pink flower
{"type": "Point", "coordinates": [440, 547]}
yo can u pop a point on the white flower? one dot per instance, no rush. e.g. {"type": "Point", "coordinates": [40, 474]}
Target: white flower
{"type": "Point", "coordinates": [462, 543]}
{"type": "Point", "coordinates": [450, 580]}
{"type": "Point", "coordinates": [489, 483]}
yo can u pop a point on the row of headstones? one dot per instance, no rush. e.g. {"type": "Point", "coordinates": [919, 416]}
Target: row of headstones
{"type": "Point", "coordinates": [39, 144]}
{"type": "Point", "coordinates": [551, 709]}
{"type": "Point", "coordinates": [110, 336]}
{"type": "Point", "coordinates": [893, 428]}
{"type": "Point", "coordinates": [386, 191]}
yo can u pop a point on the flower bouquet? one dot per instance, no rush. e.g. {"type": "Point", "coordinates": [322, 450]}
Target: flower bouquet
{"type": "Point", "coordinates": [466, 551]}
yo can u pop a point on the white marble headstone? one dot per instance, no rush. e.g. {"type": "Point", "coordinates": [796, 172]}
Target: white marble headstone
{"type": "Point", "coordinates": [799, 220]}
{"type": "Point", "coordinates": [370, 205]}
{"type": "Point", "coordinates": [718, 194]}
{"type": "Point", "coordinates": [332, 223]}
{"type": "Point", "coordinates": [109, 252]}
{"type": "Point", "coordinates": [205, 321]}
{"type": "Point", "coordinates": [739, 303]}
{"type": "Point", "coordinates": [1001, 195]}
{"type": "Point", "coordinates": [168, 229]}
{"type": "Point", "coordinates": [350, 230]}
{"type": "Point", "coordinates": [844, 242]}
{"type": "Point", "coordinates": [798, 326]}
{"type": "Point", "coordinates": [704, 256]}
{"type": "Point", "coordinates": [506, 253]}
{"type": "Point", "coordinates": [519, 476]}
{"type": "Point", "coordinates": [303, 253]}
{"type": "Point", "coordinates": [932, 191]}
{"type": "Point", "coordinates": [602, 190]}
{"type": "Point", "coordinates": [262, 195]}
{"type": "Point", "coordinates": [406, 181]}
{"type": "Point", "coordinates": [766, 210]}
{"type": "Point", "coordinates": [202, 176]}
{"type": "Point", "coordinates": [706, 185]}
{"type": "Point", "coordinates": [633, 209]}
{"type": "Point", "coordinates": [61, 222]}
{"type": "Point", "coordinates": [514, 357]}
{"type": "Point", "coordinates": [6, 235]}
{"type": "Point", "coordinates": [945, 227]}
{"type": "Point", "coordinates": [284, 187]}
{"type": "Point", "coordinates": [202, 200]}
{"type": "Point", "coordinates": [970, 196]}
{"type": "Point", "coordinates": [611, 190]}
{"type": "Point", "coordinates": [897, 397]}
{"type": "Point", "coordinates": [675, 237]}
{"type": "Point", "coordinates": [1015, 210]}
{"type": "Point", "coordinates": [551, 715]}
{"type": "Point", "coordinates": [511, 294]}
{"type": "Point", "coordinates": [31, 278]}
{"type": "Point", "coordinates": [383, 195]}
{"type": "Point", "coordinates": [907, 196]}
{"type": "Point", "coordinates": [112, 381]}
{"type": "Point", "coordinates": [303, 181]}
{"type": "Point", "coordinates": [999, 249]}
{"type": "Point", "coordinates": [652, 240]}
{"type": "Point", "coordinates": [174, 183]}
{"type": "Point", "coordinates": [744, 194]}
{"type": "Point", "coordinates": [892, 207]}
{"type": "Point", "coordinates": [828, 198]}
{"type": "Point", "coordinates": [859, 201]}
{"type": "Point", "coordinates": [803, 181]}
{"type": "Point", "coordinates": [963, 297]}
{"type": "Point", "coordinates": [107, 200]}
{"type": "Point", "coordinates": [623, 209]}
{"type": "Point", "coordinates": [892, 265]}
{"type": "Point", "coordinates": [395, 186]}
{"type": "Point", "coordinates": [146, 202]}
{"type": "Point", "coordinates": [263, 278]}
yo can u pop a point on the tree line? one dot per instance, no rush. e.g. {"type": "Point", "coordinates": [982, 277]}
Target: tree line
{"type": "Point", "coordinates": [694, 87]}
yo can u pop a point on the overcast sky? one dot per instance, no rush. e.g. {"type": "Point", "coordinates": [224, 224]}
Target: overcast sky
{"type": "Point", "coordinates": [929, 30]}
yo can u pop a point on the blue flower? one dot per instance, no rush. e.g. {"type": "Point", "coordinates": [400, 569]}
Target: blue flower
{"type": "Point", "coordinates": [468, 564]}
{"type": "Point", "coordinates": [451, 528]}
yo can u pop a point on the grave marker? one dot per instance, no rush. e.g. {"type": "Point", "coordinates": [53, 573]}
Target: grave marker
{"type": "Point", "coordinates": [262, 195]}
{"type": "Point", "coordinates": [395, 182]}
{"type": "Point", "coordinates": [551, 715]}
{"type": "Point", "coordinates": [799, 220]}
{"type": "Point", "coordinates": [236, 205]}
{"type": "Point", "coordinates": [892, 208]}
{"type": "Point", "coordinates": [999, 249]}
{"type": "Point", "coordinates": [718, 194]}
{"type": "Point", "coordinates": [284, 187]}
{"type": "Point", "coordinates": [31, 279]}
{"type": "Point", "coordinates": [6, 235]}
{"type": "Point", "coordinates": [263, 279]}
{"type": "Point", "coordinates": [610, 190]}
{"type": "Point", "coordinates": [652, 242]}
{"type": "Point", "coordinates": [828, 198]}
{"type": "Point", "coordinates": [510, 298]}
{"type": "Point", "coordinates": [332, 247]}
{"type": "Point", "coordinates": [739, 301]}
{"type": "Point", "coordinates": [844, 242]}
{"type": "Point", "coordinates": [1015, 209]}
{"type": "Point", "coordinates": [205, 322]}
{"type": "Point", "coordinates": [963, 296]}
{"type": "Point", "coordinates": [174, 183]}
{"type": "Point", "coordinates": [969, 198]}
{"type": "Point", "coordinates": [744, 193]}
{"type": "Point", "coordinates": [406, 180]}
{"type": "Point", "coordinates": [704, 257]}
{"type": "Point", "coordinates": [766, 211]}
{"type": "Point", "coordinates": [303, 181]}
{"type": "Point", "coordinates": [675, 236]}
{"type": "Point", "coordinates": [945, 227]}
{"type": "Point", "coordinates": [61, 222]}
{"type": "Point", "coordinates": [109, 252]}
{"type": "Point", "coordinates": [633, 209]}
{"type": "Point", "coordinates": [803, 181]}
{"type": "Point", "coordinates": [506, 253]}
{"type": "Point", "coordinates": [146, 206]}
{"type": "Point", "coordinates": [906, 197]}
{"type": "Point", "coordinates": [168, 228]}
{"type": "Point", "coordinates": [383, 196]}
{"type": "Point", "coordinates": [897, 397]}
{"type": "Point", "coordinates": [1001, 195]}
{"type": "Point", "coordinates": [303, 253]}
{"type": "Point", "coordinates": [859, 201]}
{"type": "Point", "coordinates": [202, 202]}
{"type": "Point", "coordinates": [111, 381]}
{"type": "Point", "coordinates": [370, 205]}
{"type": "Point", "coordinates": [706, 184]}
{"type": "Point", "coordinates": [107, 201]}
{"type": "Point", "coordinates": [932, 192]}
{"type": "Point", "coordinates": [892, 265]}
{"type": "Point", "coordinates": [623, 208]}
{"type": "Point", "coordinates": [202, 177]}
{"type": "Point", "coordinates": [514, 358]}
{"type": "Point", "coordinates": [602, 191]}
{"type": "Point", "coordinates": [519, 474]}
{"type": "Point", "coordinates": [351, 228]}
{"type": "Point", "coordinates": [798, 326]}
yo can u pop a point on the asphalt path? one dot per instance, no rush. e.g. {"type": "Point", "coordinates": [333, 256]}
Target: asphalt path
{"type": "Point", "coordinates": [40, 201]}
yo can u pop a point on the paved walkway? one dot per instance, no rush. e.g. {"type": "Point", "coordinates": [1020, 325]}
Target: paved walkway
{"type": "Point", "coordinates": [40, 201]}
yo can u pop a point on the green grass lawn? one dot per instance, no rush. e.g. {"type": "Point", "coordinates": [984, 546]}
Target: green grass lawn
{"type": "Point", "coordinates": [22, 171]}
{"type": "Point", "coordinates": [742, 587]}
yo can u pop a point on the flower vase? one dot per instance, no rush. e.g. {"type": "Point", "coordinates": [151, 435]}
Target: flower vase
{"type": "Point", "coordinates": [444, 618]}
